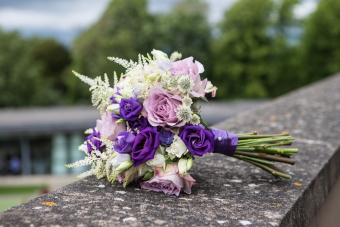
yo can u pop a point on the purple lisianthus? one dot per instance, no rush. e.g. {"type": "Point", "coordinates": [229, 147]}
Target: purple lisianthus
{"type": "Point", "coordinates": [166, 137]}
{"type": "Point", "coordinates": [124, 142]}
{"type": "Point", "coordinates": [94, 141]}
{"type": "Point", "coordinates": [145, 146]}
{"type": "Point", "coordinates": [198, 140]}
{"type": "Point", "coordinates": [140, 123]}
{"type": "Point", "coordinates": [130, 109]}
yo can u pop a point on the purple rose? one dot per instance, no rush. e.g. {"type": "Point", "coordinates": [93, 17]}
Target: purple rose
{"type": "Point", "coordinates": [198, 140]}
{"type": "Point", "coordinates": [124, 142]}
{"type": "Point", "coordinates": [140, 123]}
{"type": "Point", "coordinates": [130, 109]}
{"type": "Point", "coordinates": [145, 146]}
{"type": "Point", "coordinates": [166, 137]}
{"type": "Point", "coordinates": [94, 141]}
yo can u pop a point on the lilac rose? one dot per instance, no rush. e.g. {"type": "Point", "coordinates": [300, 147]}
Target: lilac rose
{"type": "Point", "coordinates": [198, 140]}
{"type": "Point", "coordinates": [162, 107]}
{"type": "Point", "coordinates": [145, 146]}
{"type": "Point", "coordinates": [169, 181]}
{"type": "Point", "coordinates": [124, 142]}
{"type": "Point", "coordinates": [130, 109]}
{"type": "Point", "coordinates": [187, 66]}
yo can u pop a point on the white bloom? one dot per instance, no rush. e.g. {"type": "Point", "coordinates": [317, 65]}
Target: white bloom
{"type": "Point", "coordinates": [172, 83]}
{"type": "Point", "coordinates": [184, 113]}
{"type": "Point", "coordinates": [195, 120]}
{"type": "Point", "coordinates": [177, 148]}
{"type": "Point", "coordinates": [187, 101]}
{"type": "Point", "coordinates": [157, 161]}
{"type": "Point", "coordinates": [120, 159]}
{"type": "Point", "coordinates": [83, 147]}
{"type": "Point", "coordinates": [182, 166]}
{"type": "Point", "coordinates": [159, 54]}
{"type": "Point", "coordinates": [210, 88]}
{"type": "Point", "coordinates": [185, 84]}
{"type": "Point", "coordinates": [175, 55]}
{"type": "Point", "coordinates": [114, 108]}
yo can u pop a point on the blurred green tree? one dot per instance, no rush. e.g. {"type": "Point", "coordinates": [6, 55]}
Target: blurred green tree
{"type": "Point", "coordinates": [320, 46]}
{"type": "Point", "coordinates": [29, 70]}
{"type": "Point", "coordinates": [252, 55]}
{"type": "Point", "coordinates": [122, 31]}
{"type": "Point", "coordinates": [185, 29]}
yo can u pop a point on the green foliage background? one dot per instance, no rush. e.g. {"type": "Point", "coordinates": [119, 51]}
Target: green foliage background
{"type": "Point", "coordinates": [249, 54]}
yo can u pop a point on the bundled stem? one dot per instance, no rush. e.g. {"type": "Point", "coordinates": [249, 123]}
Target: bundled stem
{"type": "Point", "coordinates": [263, 150]}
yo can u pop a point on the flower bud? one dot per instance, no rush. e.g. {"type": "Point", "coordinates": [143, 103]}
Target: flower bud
{"type": "Point", "coordinates": [182, 166]}
{"type": "Point", "coordinates": [148, 175]}
{"type": "Point", "coordinates": [114, 108]}
{"type": "Point", "coordinates": [121, 120]}
{"type": "Point", "coordinates": [190, 162]}
{"type": "Point", "coordinates": [153, 76]}
{"type": "Point", "coordinates": [159, 54]}
{"type": "Point", "coordinates": [123, 167]}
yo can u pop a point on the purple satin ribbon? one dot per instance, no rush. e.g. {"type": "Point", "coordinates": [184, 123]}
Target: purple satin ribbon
{"type": "Point", "coordinates": [225, 142]}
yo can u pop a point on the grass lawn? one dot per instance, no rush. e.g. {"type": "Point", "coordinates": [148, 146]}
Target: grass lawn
{"type": "Point", "coordinates": [14, 195]}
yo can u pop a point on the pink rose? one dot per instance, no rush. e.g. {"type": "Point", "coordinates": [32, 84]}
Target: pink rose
{"type": "Point", "coordinates": [161, 107]}
{"type": "Point", "coordinates": [170, 181]}
{"type": "Point", "coordinates": [189, 67]}
{"type": "Point", "coordinates": [108, 128]}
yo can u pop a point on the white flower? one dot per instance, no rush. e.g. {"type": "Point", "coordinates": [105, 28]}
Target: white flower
{"type": "Point", "coordinates": [177, 148]}
{"type": "Point", "coordinates": [184, 113]}
{"type": "Point", "coordinates": [195, 120]}
{"type": "Point", "coordinates": [182, 166]}
{"type": "Point", "coordinates": [120, 159]}
{"type": "Point", "coordinates": [175, 55]}
{"type": "Point", "coordinates": [114, 108]}
{"type": "Point", "coordinates": [159, 54]}
{"type": "Point", "coordinates": [185, 84]}
{"type": "Point", "coordinates": [187, 101]}
{"type": "Point", "coordinates": [172, 83]}
{"type": "Point", "coordinates": [157, 161]}
{"type": "Point", "coordinates": [83, 147]}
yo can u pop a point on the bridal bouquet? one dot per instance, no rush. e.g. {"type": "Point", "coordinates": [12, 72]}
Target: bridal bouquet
{"type": "Point", "coordinates": [151, 129]}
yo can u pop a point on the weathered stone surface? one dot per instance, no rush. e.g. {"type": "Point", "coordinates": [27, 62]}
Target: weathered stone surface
{"type": "Point", "coordinates": [228, 192]}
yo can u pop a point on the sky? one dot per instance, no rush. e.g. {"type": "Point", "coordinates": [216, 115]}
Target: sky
{"type": "Point", "coordinates": [65, 19]}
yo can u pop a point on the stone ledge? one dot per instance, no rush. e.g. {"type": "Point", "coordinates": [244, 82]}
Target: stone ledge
{"type": "Point", "coordinates": [229, 192]}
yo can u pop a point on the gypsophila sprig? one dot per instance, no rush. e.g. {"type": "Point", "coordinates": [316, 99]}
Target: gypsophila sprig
{"type": "Point", "coordinates": [151, 127]}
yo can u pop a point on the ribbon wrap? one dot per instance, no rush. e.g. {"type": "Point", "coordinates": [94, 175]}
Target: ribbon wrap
{"type": "Point", "coordinates": [225, 142]}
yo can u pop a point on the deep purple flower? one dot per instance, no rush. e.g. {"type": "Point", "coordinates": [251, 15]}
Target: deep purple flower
{"type": "Point", "coordinates": [124, 142]}
{"type": "Point", "coordinates": [94, 141]}
{"type": "Point", "coordinates": [140, 123]}
{"type": "Point", "coordinates": [145, 146]}
{"type": "Point", "coordinates": [198, 140]}
{"type": "Point", "coordinates": [130, 109]}
{"type": "Point", "coordinates": [166, 137]}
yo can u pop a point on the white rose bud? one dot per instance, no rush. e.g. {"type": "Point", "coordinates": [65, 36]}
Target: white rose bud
{"type": "Point", "coordinates": [157, 161]}
{"type": "Point", "coordinates": [123, 167]}
{"type": "Point", "coordinates": [114, 108]}
{"type": "Point", "coordinates": [159, 54]}
{"type": "Point", "coordinates": [190, 162]}
{"type": "Point", "coordinates": [182, 166]}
